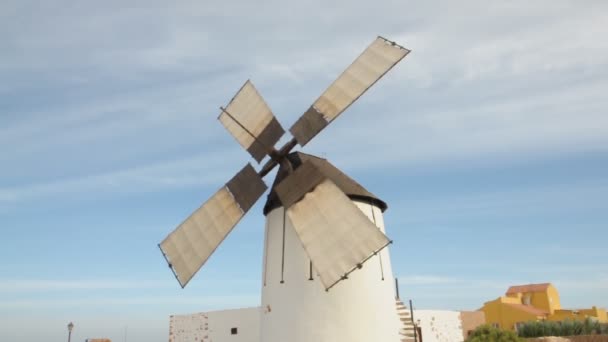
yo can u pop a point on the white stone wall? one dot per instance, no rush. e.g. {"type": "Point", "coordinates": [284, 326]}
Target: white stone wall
{"type": "Point", "coordinates": [246, 321]}
{"type": "Point", "coordinates": [216, 326]}
{"type": "Point", "coordinates": [188, 328]}
{"type": "Point", "coordinates": [439, 325]}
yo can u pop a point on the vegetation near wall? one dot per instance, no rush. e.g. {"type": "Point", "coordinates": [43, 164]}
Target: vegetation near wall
{"type": "Point", "coordinates": [565, 328]}
{"type": "Point", "coordinates": [576, 331]}
{"type": "Point", "coordinates": [487, 333]}
{"type": "Point", "coordinates": [580, 338]}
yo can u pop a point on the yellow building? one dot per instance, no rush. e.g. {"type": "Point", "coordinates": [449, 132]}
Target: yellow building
{"type": "Point", "coordinates": [532, 302]}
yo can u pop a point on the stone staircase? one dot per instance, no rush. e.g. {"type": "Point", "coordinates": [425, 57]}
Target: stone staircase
{"type": "Point", "coordinates": [406, 332]}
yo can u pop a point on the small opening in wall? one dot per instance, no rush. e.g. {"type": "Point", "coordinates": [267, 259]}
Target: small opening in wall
{"type": "Point", "coordinates": [234, 331]}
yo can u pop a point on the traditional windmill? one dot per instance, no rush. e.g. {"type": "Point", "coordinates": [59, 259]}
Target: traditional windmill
{"type": "Point", "coordinates": [321, 226]}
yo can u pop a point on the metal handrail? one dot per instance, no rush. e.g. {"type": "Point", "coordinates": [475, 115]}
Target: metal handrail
{"type": "Point", "coordinates": [413, 323]}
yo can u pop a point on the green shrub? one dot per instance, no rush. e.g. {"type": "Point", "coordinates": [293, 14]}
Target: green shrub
{"type": "Point", "coordinates": [487, 333]}
{"type": "Point", "coordinates": [568, 328]}
{"type": "Point", "coordinates": [564, 328]}
{"type": "Point", "coordinates": [591, 327]}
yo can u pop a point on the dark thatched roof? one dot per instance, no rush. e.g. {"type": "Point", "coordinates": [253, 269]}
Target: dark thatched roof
{"type": "Point", "coordinates": [351, 188]}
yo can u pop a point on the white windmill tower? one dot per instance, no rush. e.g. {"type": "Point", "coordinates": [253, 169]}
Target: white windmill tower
{"type": "Point", "coordinates": [321, 226]}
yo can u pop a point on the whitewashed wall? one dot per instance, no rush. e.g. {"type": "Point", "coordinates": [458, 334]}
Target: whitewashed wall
{"type": "Point", "coordinates": [247, 322]}
{"type": "Point", "coordinates": [295, 309]}
{"type": "Point", "coordinates": [193, 327]}
{"type": "Point", "coordinates": [439, 325]}
{"type": "Point", "coordinates": [215, 326]}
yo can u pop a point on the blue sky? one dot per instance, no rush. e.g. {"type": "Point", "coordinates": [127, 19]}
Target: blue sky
{"type": "Point", "coordinates": [489, 142]}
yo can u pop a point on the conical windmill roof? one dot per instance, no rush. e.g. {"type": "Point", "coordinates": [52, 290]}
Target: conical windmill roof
{"type": "Point", "coordinates": [349, 186]}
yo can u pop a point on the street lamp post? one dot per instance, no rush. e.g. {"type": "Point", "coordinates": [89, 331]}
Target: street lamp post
{"type": "Point", "coordinates": [70, 327]}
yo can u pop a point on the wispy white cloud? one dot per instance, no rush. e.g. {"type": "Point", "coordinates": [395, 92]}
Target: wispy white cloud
{"type": "Point", "coordinates": [469, 293]}
{"type": "Point", "coordinates": [212, 170]}
{"type": "Point", "coordinates": [471, 88]}
{"type": "Point", "coordinates": [94, 103]}
{"type": "Point", "coordinates": [535, 199]}
{"type": "Point", "coordinates": [567, 120]}
{"type": "Point", "coordinates": [569, 250]}
{"type": "Point", "coordinates": [595, 283]}
{"type": "Point", "coordinates": [510, 90]}
{"type": "Point", "coordinates": [204, 302]}
{"type": "Point", "coordinates": [426, 280]}
{"type": "Point", "coordinates": [42, 285]}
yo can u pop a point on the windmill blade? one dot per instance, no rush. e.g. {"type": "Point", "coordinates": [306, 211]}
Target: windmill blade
{"type": "Point", "coordinates": [336, 235]}
{"type": "Point", "coordinates": [251, 122]}
{"type": "Point", "coordinates": [366, 70]}
{"type": "Point", "coordinates": [189, 246]}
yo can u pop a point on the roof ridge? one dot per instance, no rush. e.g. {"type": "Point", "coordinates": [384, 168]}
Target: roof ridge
{"type": "Point", "coordinates": [349, 186]}
{"type": "Point", "coordinates": [527, 288]}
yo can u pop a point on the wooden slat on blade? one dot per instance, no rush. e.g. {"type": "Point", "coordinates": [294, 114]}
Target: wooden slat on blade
{"type": "Point", "coordinates": [251, 122]}
{"type": "Point", "coordinates": [336, 235]}
{"type": "Point", "coordinates": [189, 246]}
{"type": "Point", "coordinates": [367, 69]}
